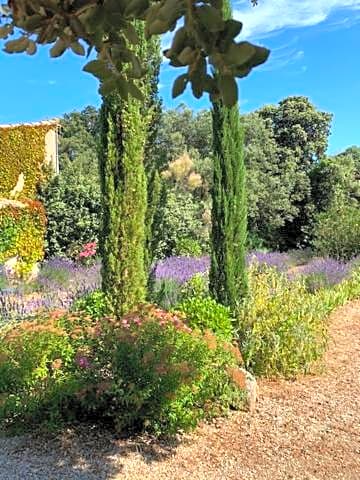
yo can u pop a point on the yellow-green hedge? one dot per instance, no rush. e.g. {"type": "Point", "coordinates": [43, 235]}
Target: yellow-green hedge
{"type": "Point", "coordinates": [22, 150]}
{"type": "Point", "coordinates": [22, 233]}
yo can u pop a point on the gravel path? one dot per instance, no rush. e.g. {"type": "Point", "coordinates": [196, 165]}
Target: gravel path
{"type": "Point", "coordinates": [303, 430]}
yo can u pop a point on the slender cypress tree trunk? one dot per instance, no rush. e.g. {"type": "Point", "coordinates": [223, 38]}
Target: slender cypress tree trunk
{"type": "Point", "coordinates": [228, 283]}
{"type": "Point", "coordinates": [125, 127]}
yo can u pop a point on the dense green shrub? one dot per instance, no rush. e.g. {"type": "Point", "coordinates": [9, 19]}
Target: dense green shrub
{"type": "Point", "coordinates": [181, 226]}
{"type": "Point", "coordinates": [146, 371]}
{"type": "Point", "coordinates": [188, 247]}
{"type": "Point", "coordinates": [73, 209]}
{"type": "Point", "coordinates": [206, 314]}
{"type": "Point", "coordinates": [93, 304]}
{"type": "Point", "coordinates": [197, 286]}
{"type": "Point", "coordinates": [337, 231]}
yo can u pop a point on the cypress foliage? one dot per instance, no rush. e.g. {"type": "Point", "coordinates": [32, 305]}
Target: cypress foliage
{"type": "Point", "coordinates": [152, 167]}
{"type": "Point", "coordinates": [124, 131]}
{"type": "Point", "coordinates": [228, 283]}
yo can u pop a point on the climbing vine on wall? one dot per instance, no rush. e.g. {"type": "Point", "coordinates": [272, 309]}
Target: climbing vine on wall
{"type": "Point", "coordinates": [22, 230]}
{"type": "Point", "coordinates": [22, 150]}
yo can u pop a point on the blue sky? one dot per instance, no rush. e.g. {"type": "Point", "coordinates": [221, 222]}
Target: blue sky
{"type": "Point", "coordinates": [314, 47]}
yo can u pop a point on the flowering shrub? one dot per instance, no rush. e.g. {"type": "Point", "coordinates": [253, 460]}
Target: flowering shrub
{"type": "Point", "coordinates": [146, 371]}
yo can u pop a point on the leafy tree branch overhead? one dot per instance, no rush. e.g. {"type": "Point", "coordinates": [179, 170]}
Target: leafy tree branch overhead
{"type": "Point", "coordinates": [202, 40]}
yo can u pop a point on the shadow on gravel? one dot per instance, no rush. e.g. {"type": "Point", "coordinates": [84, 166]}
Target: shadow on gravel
{"type": "Point", "coordinates": [81, 453]}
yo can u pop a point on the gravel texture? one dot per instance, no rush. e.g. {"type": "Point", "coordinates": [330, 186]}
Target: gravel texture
{"type": "Point", "coordinates": [303, 430]}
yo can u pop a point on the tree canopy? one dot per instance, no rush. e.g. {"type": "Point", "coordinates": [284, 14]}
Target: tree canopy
{"type": "Point", "coordinates": [201, 38]}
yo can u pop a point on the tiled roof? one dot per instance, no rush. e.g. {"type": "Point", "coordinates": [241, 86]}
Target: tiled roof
{"type": "Point", "coordinates": [54, 121]}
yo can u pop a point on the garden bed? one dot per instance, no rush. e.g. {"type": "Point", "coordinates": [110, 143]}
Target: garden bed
{"type": "Point", "coordinates": [301, 430]}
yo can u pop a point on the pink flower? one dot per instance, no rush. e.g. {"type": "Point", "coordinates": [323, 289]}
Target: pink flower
{"type": "Point", "coordinates": [89, 250]}
{"type": "Point", "coordinates": [83, 362]}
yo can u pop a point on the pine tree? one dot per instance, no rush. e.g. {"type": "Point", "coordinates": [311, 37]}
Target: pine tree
{"type": "Point", "coordinates": [125, 127]}
{"type": "Point", "coordinates": [228, 283]}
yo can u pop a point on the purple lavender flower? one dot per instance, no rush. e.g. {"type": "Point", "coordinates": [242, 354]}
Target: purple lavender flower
{"type": "Point", "coordinates": [180, 269]}
{"type": "Point", "coordinates": [331, 270]}
{"type": "Point", "coordinates": [280, 261]}
{"type": "Point", "coordinates": [59, 284]}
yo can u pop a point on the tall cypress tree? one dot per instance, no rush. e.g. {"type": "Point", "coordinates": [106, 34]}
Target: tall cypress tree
{"type": "Point", "coordinates": [125, 127]}
{"type": "Point", "coordinates": [151, 158]}
{"type": "Point", "coordinates": [228, 283]}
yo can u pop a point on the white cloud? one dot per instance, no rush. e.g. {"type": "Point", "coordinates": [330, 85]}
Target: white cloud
{"type": "Point", "coordinates": [273, 15]}
{"type": "Point", "coordinates": [283, 57]}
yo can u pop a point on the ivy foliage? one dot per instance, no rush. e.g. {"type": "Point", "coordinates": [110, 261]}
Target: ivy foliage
{"type": "Point", "coordinates": [22, 150]}
{"type": "Point", "coordinates": [203, 39]}
{"type": "Point", "coordinates": [22, 231]}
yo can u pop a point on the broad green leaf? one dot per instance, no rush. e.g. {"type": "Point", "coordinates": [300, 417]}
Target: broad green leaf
{"type": "Point", "coordinates": [17, 46]}
{"type": "Point", "coordinates": [228, 89]}
{"type": "Point", "coordinates": [5, 31]}
{"type": "Point", "coordinates": [137, 70]}
{"type": "Point", "coordinates": [99, 68]}
{"type": "Point", "coordinates": [108, 86]}
{"type": "Point", "coordinates": [131, 34]}
{"type": "Point", "coordinates": [58, 49]}
{"type": "Point", "coordinates": [135, 91]}
{"type": "Point", "coordinates": [31, 49]}
{"type": "Point", "coordinates": [179, 41]}
{"type": "Point", "coordinates": [135, 7]}
{"type": "Point", "coordinates": [179, 85]}
{"type": "Point", "coordinates": [157, 27]}
{"type": "Point", "coordinates": [260, 57]}
{"type": "Point", "coordinates": [239, 53]}
{"type": "Point", "coordinates": [33, 22]}
{"type": "Point", "coordinates": [210, 17]}
{"type": "Point", "coordinates": [231, 31]}
{"type": "Point", "coordinates": [77, 48]}
{"type": "Point", "coordinates": [187, 56]}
